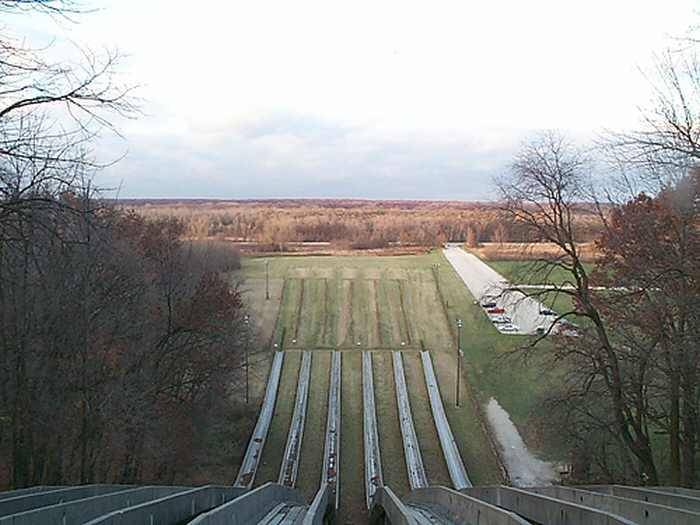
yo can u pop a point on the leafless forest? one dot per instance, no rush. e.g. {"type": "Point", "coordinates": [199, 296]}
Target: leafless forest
{"type": "Point", "coordinates": [275, 225]}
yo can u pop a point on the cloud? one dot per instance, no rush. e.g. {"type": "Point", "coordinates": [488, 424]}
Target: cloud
{"type": "Point", "coordinates": [290, 155]}
{"type": "Point", "coordinates": [364, 99]}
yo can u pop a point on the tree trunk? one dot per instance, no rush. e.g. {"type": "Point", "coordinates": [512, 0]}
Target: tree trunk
{"type": "Point", "coordinates": [690, 430]}
{"type": "Point", "coordinates": [674, 429]}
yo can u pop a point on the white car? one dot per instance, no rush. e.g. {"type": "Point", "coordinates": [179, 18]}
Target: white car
{"type": "Point", "coordinates": [500, 319]}
{"type": "Point", "coordinates": [508, 327]}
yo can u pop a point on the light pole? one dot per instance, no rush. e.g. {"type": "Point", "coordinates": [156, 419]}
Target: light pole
{"type": "Point", "coordinates": [459, 360]}
{"type": "Point", "coordinates": [267, 280]}
{"type": "Point", "coordinates": [247, 339]}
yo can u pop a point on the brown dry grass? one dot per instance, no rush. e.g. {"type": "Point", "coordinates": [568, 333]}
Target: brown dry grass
{"type": "Point", "coordinates": [518, 251]}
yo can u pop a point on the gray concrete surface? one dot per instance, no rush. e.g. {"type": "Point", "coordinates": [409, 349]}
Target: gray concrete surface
{"type": "Point", "coordinates": [414, 460]}
{"type": "Point", "coordinates": [29, 491]}
{"type": "Point", "coordinates": [373, 459]}
{"type": "Point", "coordinates": [425, 515]}
{"type": "Point", "coordinates": [634, 510]}
{"type": "Point", "coordinates": [658, 497]}
{"type": "Point", "coordinates": [331, 450]}
{"type": "Point", "coordinates": [251, 460]}
{"type": "Point", "coordinates": [322, 506]}
{"type": "Point", "coordinates": [462, 508]}
{"type": "Point", "coordinates": [484, 281]}
{"type": "Point", "coordinates": [86, 509]}
{"type": "Point", "coordinates": [284, 514]}
{"type": "Point", "coordinates": [455, 465]}
{"type": "Point", "coordinates": [544, 509]}
{"type": "Point", "coordinates": [387, 506]}
{"type": "Point", "coordinates": [292, 450]}
{"type": "Point", "coordinates": [173, 509]}
{"type": "Point", "coordinates": [250, 507]}
{"type": "Point", "coordinates": [31, 501]}
{"type": "Point", "coordinates": [681, 491]}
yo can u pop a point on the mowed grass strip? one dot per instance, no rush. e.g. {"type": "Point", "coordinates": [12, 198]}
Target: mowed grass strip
{"type": "Point", "coordinates": [288, 311]}
{"type": "Point", "coordinates": [352, 481]}
{"type": "Point", "coordinates": [424, 306]}
{"type": "Point", "coordinates": [390, 440]}
{"type": "Point", "coordinates": [311, 461]}
{"type": "Point", "coordinates": [428, 440]}
{"type": "Point", "coordinates": [346, 329]}
{"type": "Point", "coordinates": [409, 327]}
{"type": "Point", "coordinates": [312, 320]}
{"type": "Point", "coordinates": [332, 307]}
{"type": "Point", "coordinates": [273, 451]}
{"type": "Point", "coordinates": [374, 338]}
{"type": "Point", "coordinates": [391, 318]}
{"type": "Point", "coordinates": [296, 320]}
{"type": "Point", "coordinates": [361, 320]}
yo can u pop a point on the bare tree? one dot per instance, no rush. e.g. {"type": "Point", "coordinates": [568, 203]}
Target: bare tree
{"type": "Point", "coordinates": [667, 143]}
{"type": "Point", "coordinates": [50, 112]}
{"type": "Point", "coordinates": [547, 185]}
{"type": "Point", "coordinates": [662, 157]}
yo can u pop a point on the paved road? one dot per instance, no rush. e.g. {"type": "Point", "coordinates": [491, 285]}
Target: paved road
{"type": "Point", "coordinates": [484, 281]}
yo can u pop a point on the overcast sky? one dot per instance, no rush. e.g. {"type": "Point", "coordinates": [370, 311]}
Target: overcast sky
{"type": "Point", "coordinates": [378, 99]}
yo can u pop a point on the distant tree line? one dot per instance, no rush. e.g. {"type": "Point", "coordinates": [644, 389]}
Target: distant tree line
{"type": "Point", "coordinates": [349, 225]}
{"type": "Point", "coordinates": [120, 343]}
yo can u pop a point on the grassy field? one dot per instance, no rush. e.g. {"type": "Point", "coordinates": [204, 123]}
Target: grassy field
{"type": "Point", "coordinates": [382, 304]}
{"type": "Point", "coordinates": [523, 272]}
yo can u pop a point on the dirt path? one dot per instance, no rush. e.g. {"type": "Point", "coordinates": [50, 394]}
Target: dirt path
{"type": "Point", "coordinates": [525, 470]}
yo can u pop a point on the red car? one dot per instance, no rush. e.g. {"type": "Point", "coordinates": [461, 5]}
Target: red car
{"type": "Point", "coordinates": [496, 311]}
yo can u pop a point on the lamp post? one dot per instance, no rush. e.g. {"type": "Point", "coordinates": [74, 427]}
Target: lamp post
{"type": "Point", "coordinates": [247, 339]}
{"type": "Point", "coordinates": [267, 280]}
{"type": "Point", "coordinates": [459, 360]}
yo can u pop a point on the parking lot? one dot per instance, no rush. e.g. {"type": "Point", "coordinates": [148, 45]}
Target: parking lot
{"type": "Point", "coordinates": [511, 312]}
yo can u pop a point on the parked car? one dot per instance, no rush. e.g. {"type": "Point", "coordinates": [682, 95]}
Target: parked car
{"type": "Point", "coordinates": [496, 311]}
{"type": "Point", "coordinates": [547, 311]}
{"type": "Point", "coordinates": [489, 304]}
{"type": "Point", "coordinates": [509, 327]}
{"type": "Point", "coordinates": [500, 319]}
